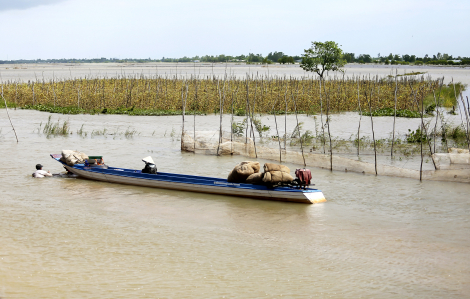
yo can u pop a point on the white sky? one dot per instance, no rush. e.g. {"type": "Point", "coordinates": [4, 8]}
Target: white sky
{"type": "Point", "coordinates": [31, 29]}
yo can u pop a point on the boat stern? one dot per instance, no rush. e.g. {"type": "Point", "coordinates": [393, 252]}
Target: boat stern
{"type": "Point", "coordinates": [315, 197]}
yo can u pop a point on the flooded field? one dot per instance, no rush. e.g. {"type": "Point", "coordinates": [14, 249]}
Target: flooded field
{"type": "Point", "coordinates": [27, 72]}
{"type": "Point", "coordinates": [375, 237]}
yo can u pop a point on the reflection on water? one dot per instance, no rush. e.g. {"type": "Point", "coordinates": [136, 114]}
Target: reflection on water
{"type": "Point", "coordinates": [72, 238]}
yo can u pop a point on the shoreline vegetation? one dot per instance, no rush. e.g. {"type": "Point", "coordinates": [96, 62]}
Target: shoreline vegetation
{"type": "Point", "coordinates": [272, 57]}
{"type": "Point", "coordinates": [165, 95]}
{"type": "Point", "coordinates": [413, 97]}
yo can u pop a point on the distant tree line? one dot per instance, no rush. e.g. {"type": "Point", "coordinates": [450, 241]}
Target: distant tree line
{"type": "Point", "coordinates": [272, 57]}
{"type": "Point", "coordinates": [395, 59]}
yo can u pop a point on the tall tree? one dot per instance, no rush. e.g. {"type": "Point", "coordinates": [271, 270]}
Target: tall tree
{"type": "Point", "coordinates": [321, 57]}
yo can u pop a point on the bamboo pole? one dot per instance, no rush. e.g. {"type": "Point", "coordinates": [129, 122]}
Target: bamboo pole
{"type": "Point", "coordinates": [275, 121]}
{"type": "Point", "coordinates": [249, 109]}
{"type": "Point", "coordinates": [467, 116]}
{"type": "Point", "coordinates": [78, 96]}
{"type": "Point", "coordinates": [298, 127]}
{"type": "Point", "coordinates": [327, 95]}
{"type": "Point", "coordinates": [221, 110]}
{"type": "Point", "coordinates": [16, 94]}
{"type": "Point", "coordinates": [395, 111]}
{"type": "Point", "coordinates": [435, 125]}
{"type": "Point", "coordinates": [246, 107]}
{"type": "Point", "coordinates": [425, 129]}
{"type": "Point", "coordinates": [8, 114]}
{"type": "Point", "coordinates": [183, 106]}
{"type": "Point", "coordinates": [321, 115]}
{"type": "Point", "coordinates": [360, 118]}
{"type": "Point", "coordinates": [372, 125]}
{"type": "Point", "coordinates": [231, 123]}
{"type": "Point", "coordinates": [285, 120]}
{"type": "Point", "coordinates": [437, 108]}
{"type": "Point", "coordinates": [194, 120]}
{"type": "Point", "coordinates": [421, 142]}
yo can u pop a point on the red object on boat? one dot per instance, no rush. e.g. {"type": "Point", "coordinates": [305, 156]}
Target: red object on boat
{"type": "Point", "coordinates": [304, 175]}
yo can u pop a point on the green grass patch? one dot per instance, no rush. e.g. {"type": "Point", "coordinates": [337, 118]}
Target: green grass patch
{"type": "Point", "coordinates": [447, 95]}
{"type": "Point", "coordinates": [120, 110]}
{"type": "Point", "coordinates": [391, 112]}
{"type": "Point", "coordinates": [55, 128]}
{"type": "Point", "coordinates": [9, 105]}
{"type": "Point", "coordinates": [52, 109]}
{"type": "Point", "coordinates": [408, 74]}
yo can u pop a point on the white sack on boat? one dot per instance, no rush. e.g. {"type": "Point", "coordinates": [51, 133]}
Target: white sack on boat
{"type": "Point", "coordinates": [73, 157]}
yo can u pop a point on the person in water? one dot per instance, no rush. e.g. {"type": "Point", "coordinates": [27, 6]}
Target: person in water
{"type": "Point", "coordinates": [39, 173]}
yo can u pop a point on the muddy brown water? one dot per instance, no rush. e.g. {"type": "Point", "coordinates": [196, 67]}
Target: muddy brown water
{"type": "Point", "coordinates": [376, 237]}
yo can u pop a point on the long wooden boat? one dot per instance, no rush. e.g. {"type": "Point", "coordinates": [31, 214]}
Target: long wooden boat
{"type": "Point", "coordinates": [193, 183]}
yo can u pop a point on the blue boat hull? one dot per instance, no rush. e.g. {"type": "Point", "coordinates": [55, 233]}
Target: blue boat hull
{"type": "Point", "coordinates": [193, 183]}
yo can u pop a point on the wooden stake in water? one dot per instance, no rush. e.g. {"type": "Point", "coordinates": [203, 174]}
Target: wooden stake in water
{"type": "Point", "coordinates": [372, 125]}
{"type": "Point", "coordinates": [298, 126]}
{"type": "Point", "coordinates": [183, 104]}
{"type": "Point", "coordinates": [6, 108]}
{"type": "Point", "coordinates": [194, 124]}
{"type": "Point", "coordinates": [16, 94]}
{"type": "Point", "coordinates": [467, 116]}
{"type": "Point", "coordinates": [321, 116]}
{"type": "Point", "coordinates": [285, 121]}
{"type": "Point", "coordinates": [275, 121]}
{"type": "Point", "coordinates": [395, 112]}
{"type": "Point", "coordinates": [327, 95]}
{"type": "Point", "coordinates": [360, 117]}
{"type": "Point", "coordinates": [424, 127]}
{"type": "Point", "coordinates": [422, 130]}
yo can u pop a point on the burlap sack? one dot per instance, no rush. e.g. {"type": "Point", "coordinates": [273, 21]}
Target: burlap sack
{"type": "Point", "coordinates": [275, 167]}
{"type": "Point", "coordinates": [255, 178]}
{"type": "Point", "coordinates": [73, 157]}
{"type": "Point", "coordinates": [255, 165]}
{"type": "Point", "coordinates": [275, 177]}
{"type": "Point", "coordinates": [242, 171]}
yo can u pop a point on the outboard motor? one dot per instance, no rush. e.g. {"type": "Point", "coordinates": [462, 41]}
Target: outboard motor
{"type": "Point", "coordinates": [303, 177]}
{"type": "Point", "coordinates": [150, 166]}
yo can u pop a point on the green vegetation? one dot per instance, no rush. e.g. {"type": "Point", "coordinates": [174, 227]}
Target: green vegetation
{"type": "Point", "coordinates": [162, 95]}
{"type": "Point", "coordinates": [272, 57]}
{"type": "Point", "coordinates": [321, 57]}
{"type": "Point", "coordinates": [413, 74]}
{"type": "Point", "coordinates": [391, 112]}
{"type": "Point", "coordinates": [52, 109]}
{"type": "Point", "coordinates": [239, 127]}
{"type": "Point", "coordinates": [58, 128]}
{"type": "Point", "coordinates": [408, 74]}
{"type": "Point", "coordinates": [55, 129]}
{"type": "Point", "coordinates": [286, 59]}
{"type": "Point", "coordinates": [416, 136]}
{"type": "Point", "coordinates": [119, 110]}
{"type": "Point", "coordinates": [260, 128]}
{"type": "Point", "coordinates": [446, 96]}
